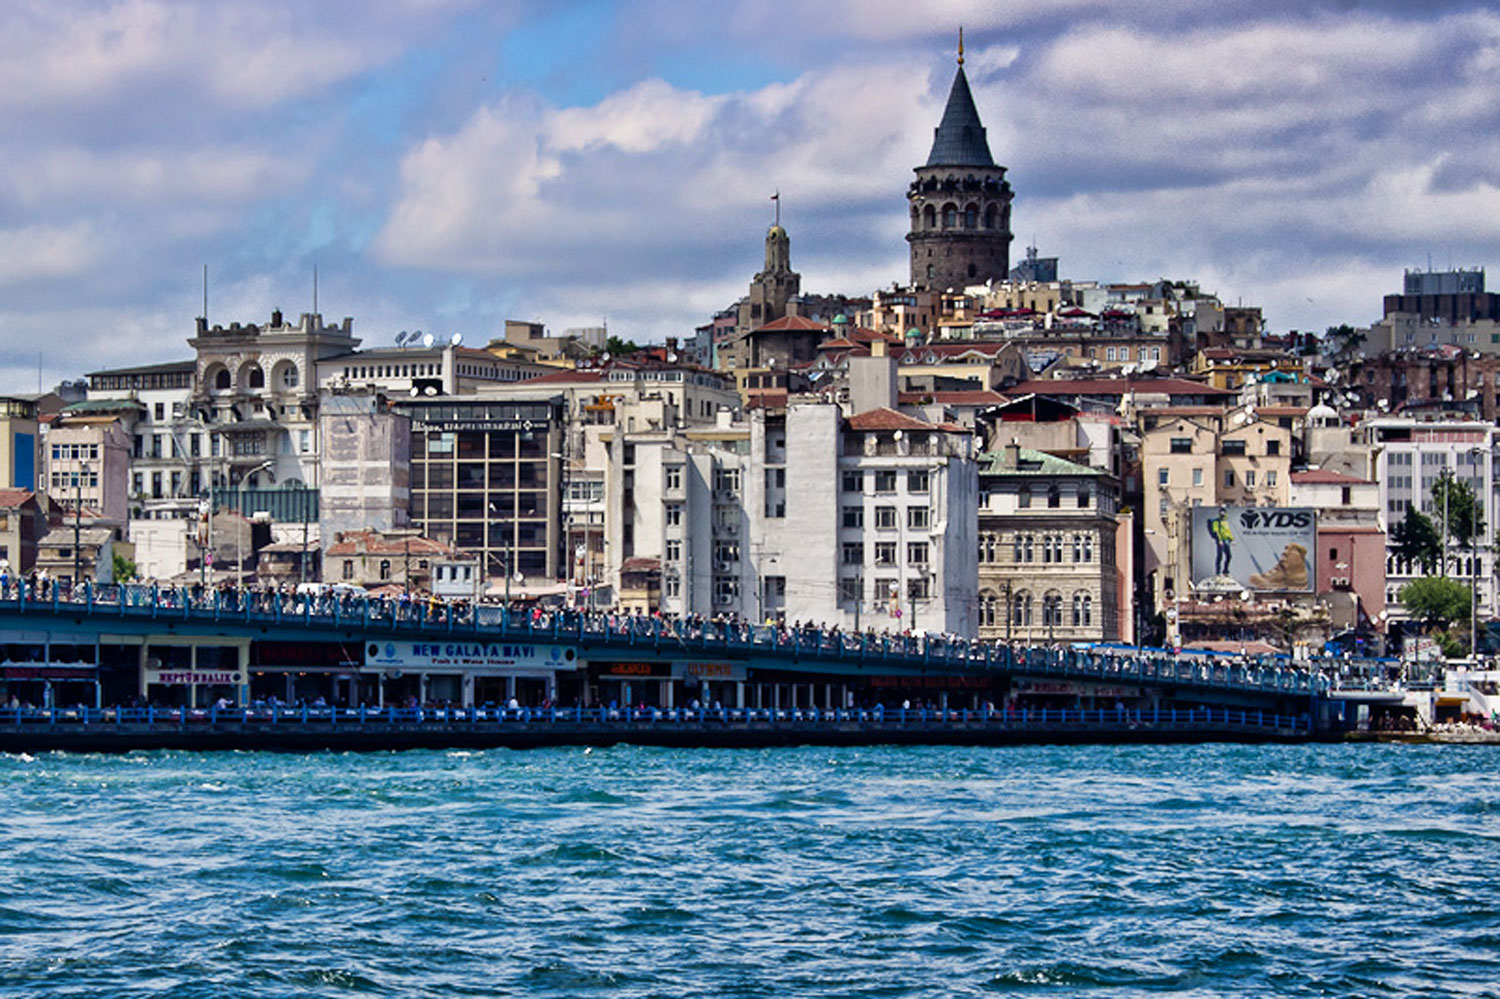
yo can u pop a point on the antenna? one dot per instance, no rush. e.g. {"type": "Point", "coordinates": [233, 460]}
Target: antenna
{"type": "Point", "coordinates": [315, 289]}
{"type": "Point", "coordinates": [205, 294]}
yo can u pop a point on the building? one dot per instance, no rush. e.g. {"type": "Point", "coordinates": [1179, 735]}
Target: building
{"type": "Point", "coordinates": [486, 480]}
{"type": "Point", "coordinates": [73, 552]}
{"type": "Point", "coordinates": [384, 558]}
{"type": "Point", "coordinates": [1047, 549]}
{"type": "Point", "coordinates": [747, 524]}
{"type": "Point", "coordinates": [89, 457]}
{"type": "Point", "coordinates": [1410, 456]}
{"type": "Point", "coordinates": [19, 435]}
{"type": "Point", "coordinates": [22, 526]}
{"type": "Point", "coordinates": [960, 202]}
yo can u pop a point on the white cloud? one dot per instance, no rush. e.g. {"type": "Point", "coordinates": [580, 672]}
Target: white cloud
{"type": "Point", "coordinates": [36, 252]}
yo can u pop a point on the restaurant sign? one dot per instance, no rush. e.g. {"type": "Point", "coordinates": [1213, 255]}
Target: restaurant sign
{"type": "Point", "coordinates": [194, 677]}
{"type": "Point", "coordinates": [708, 671]}
{"type": "Point", "coordinates": [426, 656]}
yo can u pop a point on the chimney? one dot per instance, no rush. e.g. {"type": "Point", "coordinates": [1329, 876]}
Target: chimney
{"type": "Point", "coordinates": [1013, 453]}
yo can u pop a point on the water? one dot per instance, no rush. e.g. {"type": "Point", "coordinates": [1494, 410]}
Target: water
{"type": "Point", "coordinates": [881, 872]}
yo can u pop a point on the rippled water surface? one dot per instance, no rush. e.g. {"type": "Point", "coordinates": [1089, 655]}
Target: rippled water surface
{"type": "Point", "coordinates": [1204, 871]}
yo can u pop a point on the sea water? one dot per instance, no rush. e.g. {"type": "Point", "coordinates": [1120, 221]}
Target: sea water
{"type": "Point", "coordinates": [1058, 871]}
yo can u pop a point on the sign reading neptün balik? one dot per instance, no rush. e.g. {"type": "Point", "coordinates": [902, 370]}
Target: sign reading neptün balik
{"type": "Point", "coordinates": [468, 655]}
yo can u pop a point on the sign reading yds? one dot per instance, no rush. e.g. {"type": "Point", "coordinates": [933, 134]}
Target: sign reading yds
{"type": "Point", "coordinates": [1254, 547]}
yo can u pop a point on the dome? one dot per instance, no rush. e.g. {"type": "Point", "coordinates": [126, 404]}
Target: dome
{"type": "Point", "coordinates": [1322, 415]}
{"type": "Point", "coordinates": [777, 232]}
{"type": "Point", "coordinates": [841, 320]}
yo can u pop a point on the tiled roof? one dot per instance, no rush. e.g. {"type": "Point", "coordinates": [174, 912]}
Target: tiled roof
{"type": "Point", "coordinates": [955, 397]}
{"type": "Point", "coordinates": [12, 498]}
{"type": "Point", "coordinates": [374, 543]}
{"type": "Point", "coordinates": [640, 564]}
{"type": "Point", "coordinates": [794, 323]}
{"type": "Point", "coordinates": [1118, 386]}
{"type": "Point", "coordinates": [566, 376]}
{"type": "Point", "coordinates": [885, 418]}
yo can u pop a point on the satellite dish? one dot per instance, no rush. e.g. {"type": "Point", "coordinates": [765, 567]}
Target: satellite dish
{"type": "Point", "coordinates": [427, 339]}
{"type": "Point", "coordinates": [672, 357]}
{"type": "Point", "coordinates": [413, 390]}
{"type": "Point", "coordinates": [897, 435]}
{"type": "Point", "coordinates": [401, 338]}
{"type": "Point", "coordinates": [430, 390]}
{"type": "Point", "coordinates": [456, 339]}
{"type": "Point", "coordinates": [605, 358]}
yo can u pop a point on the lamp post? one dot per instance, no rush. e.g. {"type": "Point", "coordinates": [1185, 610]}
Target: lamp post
{"type": "Point", "coordinates": [77, 526]}
{"type": "Point", "coordinates": [239, 534]}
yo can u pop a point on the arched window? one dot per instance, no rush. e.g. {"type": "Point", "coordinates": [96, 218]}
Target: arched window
{"type": "Point", "coordinates": [1077, 610]}
{"type": "Point", "coordinates": [1016, 541]}
{"type": "Point", "coordinates": [929, 272]}
{"type": "Point", "coordinates": [221, 380]}
{"type": "Point", "coordinates": [989, 217]}
{"type": "Point", "coordinates": [385, 568]}
{"type": "Point", "coordinates": [1052, 609]}
{"type": "Point", "coordinates": [1088, 610]}
{"type": "Point", "coordinates": [929, 217]}
{"type": "Point", "coordinates": [1021, 610]}
{"type": "Point", "coordinates": [989, 605]}
{"type": "Point", "coordinates": [950, 216]}
{"type": "Point", "coordinates": [973, 271]}
{"type": "Point", "coordinates": [971, 216]}
{"type": "Point", "coordinates": [1030, 554]}
{"type": "Point", "coordinates": [256, 378]}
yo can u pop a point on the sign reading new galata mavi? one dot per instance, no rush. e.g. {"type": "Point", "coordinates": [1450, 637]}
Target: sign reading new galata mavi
{"type": "Point", "coordinates": [1254, 548]}
{"type": "Point", "coordinates": [467, 656]}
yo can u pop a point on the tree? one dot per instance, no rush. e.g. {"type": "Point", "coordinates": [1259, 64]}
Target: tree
{"type": "Point", "coordinates": [1416, 540]}
{"type": "Point", "coordinates": [1437, 601]}
{"type": "Point", "coordinates": [124, 569]}
{"type": "Point", "coordinates": [1345, 341]}
{"type": "Point", "coordinates": [618, 348]}
{"type": "Point", "coordinates": [1459, 513]}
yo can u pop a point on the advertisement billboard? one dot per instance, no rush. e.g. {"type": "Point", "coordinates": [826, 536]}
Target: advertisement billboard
{"type": "Point", "coordinates": [1254, 548]}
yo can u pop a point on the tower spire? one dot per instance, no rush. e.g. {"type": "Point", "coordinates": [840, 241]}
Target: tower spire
{"type": "Point", "coordinates": [960, 44]}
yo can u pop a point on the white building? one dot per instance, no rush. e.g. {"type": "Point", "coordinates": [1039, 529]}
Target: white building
{"type": "Point", "coordinates": [864, 522]}
{"type": "Point", "coordinates": [1410, 456]}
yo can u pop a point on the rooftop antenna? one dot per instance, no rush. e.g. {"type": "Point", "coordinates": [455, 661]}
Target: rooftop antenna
{"type": "Point", "coordinates": [960, 45]}
{"type": "Point", "coordinates": [315, 289]}
{"type": "Point", "coordinates": [205, 294]}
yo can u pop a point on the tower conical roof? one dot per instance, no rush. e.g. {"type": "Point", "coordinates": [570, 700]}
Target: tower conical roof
{"type": "Point", "coordinates": [959, 138]}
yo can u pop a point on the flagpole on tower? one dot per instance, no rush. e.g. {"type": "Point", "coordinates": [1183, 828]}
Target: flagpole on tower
{"type": "Point", "coordinates": [776, 198]}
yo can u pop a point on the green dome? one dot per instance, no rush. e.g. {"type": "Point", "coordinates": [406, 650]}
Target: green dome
{"type": "Point", "coordinates": [841, 320]}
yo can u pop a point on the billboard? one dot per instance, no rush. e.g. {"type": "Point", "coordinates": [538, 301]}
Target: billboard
{"type": "Point", "coordinates": [1254, 548]}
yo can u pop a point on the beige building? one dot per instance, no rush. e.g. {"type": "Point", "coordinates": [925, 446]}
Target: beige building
{"type": "Point", "coordinates": [1047, 549]}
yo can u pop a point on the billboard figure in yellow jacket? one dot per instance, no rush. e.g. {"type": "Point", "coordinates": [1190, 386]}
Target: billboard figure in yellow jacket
{"type": "Point", "coordinates": [1223, 537]}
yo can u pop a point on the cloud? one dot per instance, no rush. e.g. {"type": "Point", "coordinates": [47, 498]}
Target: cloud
{"type": "Point", "coordinates": [45, 251]}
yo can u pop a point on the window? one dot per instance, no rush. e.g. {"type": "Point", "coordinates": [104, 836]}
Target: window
{"type": "Point", "coordinates": [1023, 498]}
{"type": "Point", "coordinates": [1234, 447]}
{"type": "Point", "coordinates": [673, 477]}
{"type": "Point", "coordinates": [885, 518]}
{"type": "Point", "coordinates": [1162, 476]}
{"type": "Point", "coordinates": [918, 518]}
{"type": "Point", "coordinates": [159, 412]}
{"type": "Point", "coordinates": [885, 482]}
{"type": "Point", "coordinates": [1273, 447]}
{"type": "Point", "coordinates": [916, 552]}
{"type": "Point", "coordinates": [673, 586]}
{"type": "Point", "coordinates": [385, 568]}
{"type": "Point", "coordinates": [918, 481]}
{"type": "Point", "coordinates": [854, 516]}
{"type": "Point", "coordinates": [917, 589]}
{"type": "Point", "coordinates": [1182, 445]}
{"type": "Point", "coordinates": [672, 512]}
{"type": "Point", "coordinates": [852, 553]}
{"type": "Point", "coordinates": [885, 553]}
{"type": "Point", "coordinates": [304, 441]}
{"type": "Point", "coordinates": [673, 551]}
{"type": "Point", "coordinates": [849, 589]}
{"type": "Point", "coordinates": [1249, 478]}
{"type": "Point", "coordinates": [1197, 476]}
{"type": "Point", "coordinates": [854, 482]}
{"type": "Point", "coordinates": [1054, 498]}
{"type": "Point", "coordinates": [1084, 497]}
{"type": "Point", "coordinates": [195, 445]}
{"type": "Point", "coordinates": [1229, 478]}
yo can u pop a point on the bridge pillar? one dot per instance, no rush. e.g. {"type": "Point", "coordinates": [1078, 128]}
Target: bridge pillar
{"type": "Point", "coordinates": [422, 690]}
{"type": "Point", "coordinates": [468, 690]}
{"type": "Point", "coordinates": [666, 694]}
{"type": "Point", "coordinates": [739, 694]}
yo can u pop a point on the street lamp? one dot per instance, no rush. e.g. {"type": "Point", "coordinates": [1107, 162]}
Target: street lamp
{"type": "Point", "coordinates": [239, 534]}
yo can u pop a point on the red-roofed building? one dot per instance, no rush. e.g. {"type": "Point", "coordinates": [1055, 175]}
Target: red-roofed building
{"type": "Point", "coordinates": [22, 525]}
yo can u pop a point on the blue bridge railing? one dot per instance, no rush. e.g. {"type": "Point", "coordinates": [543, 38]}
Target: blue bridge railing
{"type": "Point", "coordinates": [498, 719]}
{"type": "Point", "coordinates": [378, 617]}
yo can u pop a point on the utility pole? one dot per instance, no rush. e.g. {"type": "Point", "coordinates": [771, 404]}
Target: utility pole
{"type": "Point", "coordinates": [77, 525]}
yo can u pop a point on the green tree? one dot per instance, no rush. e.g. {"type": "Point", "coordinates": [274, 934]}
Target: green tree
{"type": "Point", "coordinates": [1436, 600]}
{"type": "Point", "coordinates": [124, 568]}
{"type": "Point", "coordinates": [1417, 540]}
{"type": "Point", "coordinates": [618, 348]}
{"type": "Point", "coordinates": [1459, 513]}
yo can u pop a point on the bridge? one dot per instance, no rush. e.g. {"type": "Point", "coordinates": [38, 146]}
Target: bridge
{"type": "Point", "coordinates": [395, 673]}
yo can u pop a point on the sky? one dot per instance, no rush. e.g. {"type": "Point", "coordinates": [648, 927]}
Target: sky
{"type": "Point", "coordinates": [446, 165]}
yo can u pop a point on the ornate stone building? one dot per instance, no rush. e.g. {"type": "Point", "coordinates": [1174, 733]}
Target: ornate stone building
{"type": "Point", "coordinates": [960, 202]}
